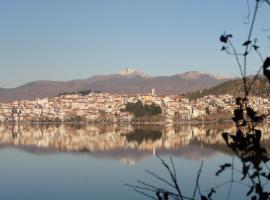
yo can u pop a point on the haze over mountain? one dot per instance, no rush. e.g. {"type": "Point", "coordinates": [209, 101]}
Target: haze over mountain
{"type": "Point", "coordinates": [128, 81]}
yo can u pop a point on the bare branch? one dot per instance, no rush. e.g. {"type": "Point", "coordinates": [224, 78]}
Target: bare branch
{"type": "Point", "coordinates": [141, 188]}
{"type": "Point", "coordinates": [267, 1]}
{"type": "Point", "coordinates": [258, 72]}
{"type": "Point", "coordinates": [197, 180]}
{"type": "Point", "coordinates": [172, 177]}
{"type": "Point", "coordinates": [159, 178]}
{"type": "Point", "coordinates": [148, 185]}
{"type": "Point", "coordinates": [239, 64]}
{"type": "Point", "coordinates": [232, 180]}
{"type": "Point", "coordinates": [174, 171]}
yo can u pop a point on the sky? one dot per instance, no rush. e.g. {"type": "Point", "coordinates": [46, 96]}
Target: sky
{"type": "Point", "coordinates": [76, 39]}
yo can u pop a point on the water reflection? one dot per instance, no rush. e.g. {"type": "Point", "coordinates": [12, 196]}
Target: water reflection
{"type": "Point", "coordinates": [126, 143]}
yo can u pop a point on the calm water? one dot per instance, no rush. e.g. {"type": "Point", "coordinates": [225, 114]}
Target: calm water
{"type": "Point", "coordinates": [94, 162]}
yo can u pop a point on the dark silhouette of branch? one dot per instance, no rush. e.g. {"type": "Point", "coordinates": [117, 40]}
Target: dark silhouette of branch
{"type": "Point", "coordinates": [146, 188]}
{"type": "Point", "coordinates": [173, 178]}
{"type": "Point", "coordinates": [159, 178]}
{"type": "Point", "coordinates": [236, 55]}
{"type": "Point", "coordinates": [247, 45]}
{"type": "Point", "coordinates": [267, 1]}
{"type": "Point", "coordinates": [258, 72]}
{"type": "Point", "coordinates": [173, 166]}
{"type": "Point", "coordinates": [150, 189]}
{"type": "Point", "coordinates": [232, 179]}
{"type": "Point", "coordinates": [141, 188]}
{"type": "Point", "coordinates": [197, 180]}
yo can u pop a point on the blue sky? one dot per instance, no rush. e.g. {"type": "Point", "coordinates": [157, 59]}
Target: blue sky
{"type": "Point", "coordinates": [74, 39]}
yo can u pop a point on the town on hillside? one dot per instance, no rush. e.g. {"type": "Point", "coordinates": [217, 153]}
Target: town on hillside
{"type": "Point", "coordinates": [105, 107]}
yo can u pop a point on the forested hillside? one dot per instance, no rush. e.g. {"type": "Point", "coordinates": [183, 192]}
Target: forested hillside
{"type": "Point", "coordinates": [260, 87]}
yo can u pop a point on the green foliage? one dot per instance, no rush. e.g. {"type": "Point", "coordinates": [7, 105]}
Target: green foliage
{"type": "Point", "coordinates": [140, 110]}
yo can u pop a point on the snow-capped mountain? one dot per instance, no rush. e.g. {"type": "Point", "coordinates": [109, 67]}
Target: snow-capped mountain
{"type": "Point", "coordinates": [132, 72]}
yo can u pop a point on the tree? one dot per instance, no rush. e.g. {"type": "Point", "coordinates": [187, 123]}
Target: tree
{"type": "Point", "coordinates": [140, 110]}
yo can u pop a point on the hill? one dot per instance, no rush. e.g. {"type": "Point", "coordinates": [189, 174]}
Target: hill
{"type": "Point", "coordinates": [260, 87]}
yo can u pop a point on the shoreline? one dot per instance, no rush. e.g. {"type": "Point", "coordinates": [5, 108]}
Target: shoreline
{"type": "Point", "coordinates": [195, 122]}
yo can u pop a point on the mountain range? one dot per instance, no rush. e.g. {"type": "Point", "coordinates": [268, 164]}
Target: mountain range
{"type": "Point", "coordinates": [128, 81]}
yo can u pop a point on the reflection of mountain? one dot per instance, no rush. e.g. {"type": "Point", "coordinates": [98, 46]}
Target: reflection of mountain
{"type": "Point", "coordinates": [132, 156]}
{"type": "Point", "coordinates": [126, 143]}
{"type": "Point", "coordinates": [127, 156]}
{"type": "Point", "coordinates": [192, 152]}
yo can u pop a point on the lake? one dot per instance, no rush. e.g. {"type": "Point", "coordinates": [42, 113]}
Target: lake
{"type": "Point", "coordinates": [74, 161]}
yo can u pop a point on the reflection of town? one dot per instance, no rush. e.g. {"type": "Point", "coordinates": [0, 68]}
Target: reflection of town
{"type": "Point", "coordinates": [126, 143]}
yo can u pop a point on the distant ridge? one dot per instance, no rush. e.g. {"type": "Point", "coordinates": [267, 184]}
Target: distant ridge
{"type": "Point", "coordinates": [127, 81]}
{"type": "Point", "coordinates": [234, 87]}
{"type": "Point", "coordinates": [196, 74]}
